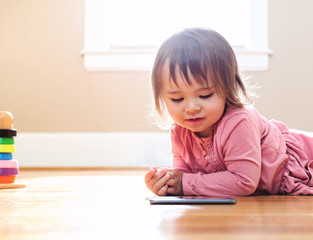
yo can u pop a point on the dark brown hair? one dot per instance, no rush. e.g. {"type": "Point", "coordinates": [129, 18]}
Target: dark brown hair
{"type": "Point", "coordinates": [204, 54]}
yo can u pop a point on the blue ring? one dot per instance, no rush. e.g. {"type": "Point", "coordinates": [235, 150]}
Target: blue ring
{"type": "Point", "coordinates": [5, 156]}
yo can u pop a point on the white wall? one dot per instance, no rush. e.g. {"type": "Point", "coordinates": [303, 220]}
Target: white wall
{"type": "Point", "coordinates": [93, 149]}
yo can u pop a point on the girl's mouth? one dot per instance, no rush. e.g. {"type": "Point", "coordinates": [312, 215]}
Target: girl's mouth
{"type": "Point", "coordinates": [194, 120]}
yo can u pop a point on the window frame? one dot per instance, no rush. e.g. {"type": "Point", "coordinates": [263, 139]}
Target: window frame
{"type": "Point", "coordinates": [255, 58]}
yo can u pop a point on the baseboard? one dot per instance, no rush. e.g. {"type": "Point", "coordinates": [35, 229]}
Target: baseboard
{"type": "Point", "coordinates": [92, 149]}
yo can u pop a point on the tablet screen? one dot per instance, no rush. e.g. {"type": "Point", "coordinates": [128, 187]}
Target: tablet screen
{"type": "Point", "coordinates": [190, 200]}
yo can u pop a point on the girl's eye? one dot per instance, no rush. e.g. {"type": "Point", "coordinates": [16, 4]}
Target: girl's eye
{"type": "Point", "coordinates": [177, 99]}
{"type": "Point", "coordinates": [206, 96]}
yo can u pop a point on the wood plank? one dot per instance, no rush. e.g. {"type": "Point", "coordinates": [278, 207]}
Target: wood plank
{"type": "Point", "coordinates": [11, 185]}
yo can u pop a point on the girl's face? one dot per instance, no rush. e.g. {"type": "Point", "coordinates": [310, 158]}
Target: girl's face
{"type": "Point", "coordinates": [195, 107]}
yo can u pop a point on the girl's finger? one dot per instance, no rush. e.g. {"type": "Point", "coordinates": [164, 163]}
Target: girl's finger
{"type": "Point", "coordinates": [172, 182]}
{"type": "Point", "coordinates": [160, 183]}
{"type": "Point", "coordinates": [171, 190]}
{"type": "Point", "coordinates": [150, 174]}
{"type": "Point", "coordinates": [159, 174]}
{"type": "Point", "coordinates": [163, 191]}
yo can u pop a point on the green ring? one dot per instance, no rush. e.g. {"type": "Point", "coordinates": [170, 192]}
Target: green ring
{"type": "Point", "coordinates": [6, 140]}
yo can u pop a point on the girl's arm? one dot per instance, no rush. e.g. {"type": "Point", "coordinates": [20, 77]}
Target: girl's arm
{"type": "Point", "coordinates": [242, 155]}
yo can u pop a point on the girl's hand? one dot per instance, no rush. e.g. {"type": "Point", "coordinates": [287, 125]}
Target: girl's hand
{"type": "Point", "coordinates": [156, 180]}
{"type": "Point", "coordinates": [175, 184]}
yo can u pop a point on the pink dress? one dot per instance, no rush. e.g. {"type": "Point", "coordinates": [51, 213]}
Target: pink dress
{"type": "Point", "coordinates": [245, 154]}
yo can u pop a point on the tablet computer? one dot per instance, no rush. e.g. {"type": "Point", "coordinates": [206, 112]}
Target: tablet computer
{"type": "Point", "coordinates": [190, 200]}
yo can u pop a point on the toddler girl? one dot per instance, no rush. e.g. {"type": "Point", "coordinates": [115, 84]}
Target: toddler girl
{"type": "Point", "coordinates": [221, 146]}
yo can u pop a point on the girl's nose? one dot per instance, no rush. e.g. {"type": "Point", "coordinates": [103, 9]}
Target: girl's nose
{"type": "Point", "coordinates": [192, 107]}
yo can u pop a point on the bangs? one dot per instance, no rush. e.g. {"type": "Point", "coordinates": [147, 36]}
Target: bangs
{"type": "Point", "coordinates": [188, 59]}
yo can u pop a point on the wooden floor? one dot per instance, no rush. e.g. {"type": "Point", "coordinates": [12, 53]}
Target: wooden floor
{"type": "Point", "coordinates": [113, 205]}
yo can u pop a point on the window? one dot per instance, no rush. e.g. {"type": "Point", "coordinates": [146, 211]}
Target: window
{"type": "Point", "coordinates": [124, 35]}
